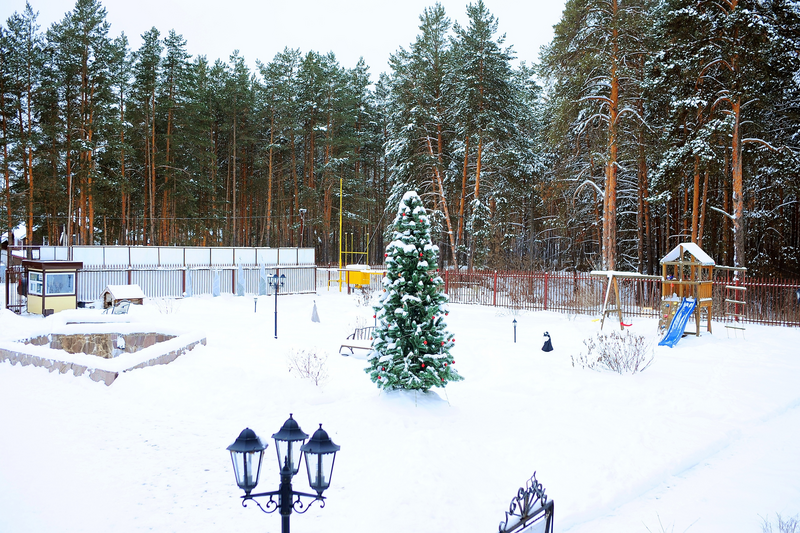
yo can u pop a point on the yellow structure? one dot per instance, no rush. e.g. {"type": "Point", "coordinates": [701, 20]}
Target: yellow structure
{"type": "Point", "coordinates": [687, 273]}
{"type": "Point", "coordinates": [52, 285]}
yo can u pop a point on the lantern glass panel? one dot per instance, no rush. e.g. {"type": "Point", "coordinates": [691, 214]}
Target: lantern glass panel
{"type": "Point", "coordinates": [290, 449]}
{"type": "Point", "coordinates": [246, 467]}
{"type": "Point", "coordinates": [320, 469]}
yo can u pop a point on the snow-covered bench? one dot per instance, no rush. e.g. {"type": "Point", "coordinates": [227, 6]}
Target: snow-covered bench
{"type": "Point", "coordinates": [360, 339]}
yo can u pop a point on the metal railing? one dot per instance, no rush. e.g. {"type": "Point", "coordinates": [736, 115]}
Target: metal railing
{"type": "Point", "coordinates": [772, 302]}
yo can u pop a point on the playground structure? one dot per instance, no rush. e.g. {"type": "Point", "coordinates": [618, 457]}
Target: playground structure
{"type": "Point", "coordinates": [612, 277]}
{"type": "Point", "coordinates": [683, 278]}
{"type": "Point", "coordinates": [686, 290]}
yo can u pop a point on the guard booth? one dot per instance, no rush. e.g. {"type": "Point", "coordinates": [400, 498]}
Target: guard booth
{"type": "Point", "coordinates": [52, 286]}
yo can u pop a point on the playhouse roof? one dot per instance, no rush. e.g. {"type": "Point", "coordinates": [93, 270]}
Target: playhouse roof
{"type": "Point", "coordinates": [693, 249]}
{"type": "Point", "coordinates": [124, 292]}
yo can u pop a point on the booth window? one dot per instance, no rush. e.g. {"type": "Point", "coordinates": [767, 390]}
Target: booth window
{"type": "Point", "coordinates": [35, 283]}
{"type": "Point", "coordinates": [60, 283]}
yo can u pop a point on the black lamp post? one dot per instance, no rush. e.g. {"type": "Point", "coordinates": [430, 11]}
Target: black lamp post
{"type": "Point", "coordinates": [320, 452]}
{"type": "Point", "coordinates": [276, 283]}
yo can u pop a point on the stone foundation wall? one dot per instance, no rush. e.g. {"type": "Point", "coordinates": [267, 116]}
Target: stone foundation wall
{"type": "Point", "coordinates": [105, 345]}
{"type": "Point", "coordinates": [96, 374]}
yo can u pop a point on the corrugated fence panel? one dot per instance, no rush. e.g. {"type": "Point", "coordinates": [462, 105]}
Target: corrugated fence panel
{"type": "Point", "coordinates": [159, 283]}
{"type": "Point", "coordinates": [92, 283]}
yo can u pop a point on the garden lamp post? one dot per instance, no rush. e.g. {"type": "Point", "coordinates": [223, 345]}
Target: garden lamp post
{"type": "Point", "coordinates": [320, 452]}
{"type": "Point", "coordinates": [276, 283]}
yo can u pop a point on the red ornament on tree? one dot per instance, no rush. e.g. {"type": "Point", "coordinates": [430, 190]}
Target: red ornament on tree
{"type": "Point", "coordinates": [442, 343]}
{"type": "Point", "coordinates": [454, 362]}
{"type": "Point", "coordinates": [445, 364]}
{"type": "Point", "coordinates": [424, 342]}
{"type": "Point", "coordinates": [423, 365]}
{"type": "Point", "coordinates": [383, 368]}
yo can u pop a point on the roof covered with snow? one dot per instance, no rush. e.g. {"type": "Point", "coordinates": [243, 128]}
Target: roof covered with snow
{"type": "Point", "coordinates": [124, 291]}
{"type": "Point", "coordinates": [693, 249]}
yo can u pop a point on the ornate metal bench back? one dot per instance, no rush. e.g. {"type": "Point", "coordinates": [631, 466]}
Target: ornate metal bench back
{"type": "Point", "coordinates": [362, 333]}
{"type": "Point", "coordinates": [528, 509]}
{"type": "Point", "coordinates": [121, 308]}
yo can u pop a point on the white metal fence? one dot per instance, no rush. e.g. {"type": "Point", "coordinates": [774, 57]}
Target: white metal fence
{"type": "Point", "coordinates": [170, 256]}
{"type": "Point", "coordinates": [168, 282]}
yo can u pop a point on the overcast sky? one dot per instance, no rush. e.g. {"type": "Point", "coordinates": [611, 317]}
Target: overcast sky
{"type": "Point", "coordinates": [259, 29]}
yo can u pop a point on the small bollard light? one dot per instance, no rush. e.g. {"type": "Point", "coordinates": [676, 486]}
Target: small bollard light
{"type": "Point", "coordinates": [255, 304]}
{"type": "Point", "coordinates": [515, 331]}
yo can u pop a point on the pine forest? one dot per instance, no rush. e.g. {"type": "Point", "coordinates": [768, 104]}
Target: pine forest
{"type": "Point", "coordinates": [642, 124]}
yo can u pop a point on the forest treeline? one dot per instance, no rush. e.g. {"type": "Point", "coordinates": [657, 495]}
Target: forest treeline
{"type": "Point", "coordinates": [644, 123]}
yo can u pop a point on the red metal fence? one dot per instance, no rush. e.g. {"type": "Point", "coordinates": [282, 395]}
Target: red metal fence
{"type": "Point", "coordinates": [768, 302]}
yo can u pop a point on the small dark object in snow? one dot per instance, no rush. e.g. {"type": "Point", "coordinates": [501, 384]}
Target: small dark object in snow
{"type": "Point", "coordinates": [548, 346]}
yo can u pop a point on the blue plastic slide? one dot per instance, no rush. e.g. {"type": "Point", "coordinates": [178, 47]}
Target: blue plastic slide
{"type": "Point", "coordinates": [678, 324]}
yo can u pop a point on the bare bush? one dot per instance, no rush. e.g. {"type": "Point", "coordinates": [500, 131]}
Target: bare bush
{"type": "Point", "coordinates": [167, 306]}
{"type": "Point", "coordinates": [307, 364]}
{"type": "Point", "coordinates": [628, 353]}
{"type": "Point", "coordinates": [790, 525]}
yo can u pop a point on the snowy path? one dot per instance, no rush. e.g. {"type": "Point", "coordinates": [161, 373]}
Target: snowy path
{"type": "Point", "coordinates": [731, 489]}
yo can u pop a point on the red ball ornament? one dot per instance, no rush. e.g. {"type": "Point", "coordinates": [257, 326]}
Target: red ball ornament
{"type": "Point", "coordinates": [454, 362]}
{"type": "Point", "coordinates": [423, 365]}
{"type": "Point", "coordinates": [442, 379]}
{"type": "Point", "coordinates": [383, 368]}
{"type": "Point", "coordinates": [424, 342]}
{"type": "Point", "coordinates": [385, 255]}
{"type": "Point", "coordinates": [442, 343]}
{"type": "Point", "coordinates": [373, 316]}
{"type": "Point", "coordinates": [404, 214]}
{"type": "Point", "coordinates": [420, 254]}
{"type": "Point", "coordinates": [420, 220]}
{"type": "Point", "coordinates": [379, 377]}
{"type": "Point", "coordinates": [445, 364]}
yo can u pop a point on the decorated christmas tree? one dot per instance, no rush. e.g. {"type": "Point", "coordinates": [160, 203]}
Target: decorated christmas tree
{"type": "Point", "coordinates": [411, 346]}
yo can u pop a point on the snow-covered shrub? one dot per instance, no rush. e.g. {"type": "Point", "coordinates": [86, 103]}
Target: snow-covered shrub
{"type": "Point", "coordinates": [307, 364]}
{"type": "Point", "coordinates": [790, 525]}
{"type": "Point", "coordinates": [167, 306]}
{"type": "Point", "coordinates": [621, 353]}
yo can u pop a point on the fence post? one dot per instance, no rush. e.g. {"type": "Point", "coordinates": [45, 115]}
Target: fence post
{"type": "Point", "coordinates": [545, 290]}
{"type": "Point", "coordinates": [183, 281]}
{"type": "Point", "coordinates": [494, 291]}
{"type": "Point", "coordinates": [130, 275]}
{"type": "Point", "coordinates": [447, 282]}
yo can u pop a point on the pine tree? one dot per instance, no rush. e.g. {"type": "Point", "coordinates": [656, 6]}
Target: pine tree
{"type": "Point", "coordinates": [411, 349]}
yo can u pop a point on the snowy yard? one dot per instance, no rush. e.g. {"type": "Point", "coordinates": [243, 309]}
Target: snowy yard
{"type": "Point", "coordinates": [706, 439]}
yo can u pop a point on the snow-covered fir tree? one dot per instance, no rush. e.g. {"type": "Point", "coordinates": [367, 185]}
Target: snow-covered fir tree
{"type": "Point", "coordinates": [411, 346]}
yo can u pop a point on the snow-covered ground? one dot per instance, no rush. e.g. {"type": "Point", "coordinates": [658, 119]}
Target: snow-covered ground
{"type": "Point", "coordinates": [706, 439]}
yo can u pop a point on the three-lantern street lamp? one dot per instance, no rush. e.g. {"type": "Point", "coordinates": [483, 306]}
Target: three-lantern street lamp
{"type": "Point", "coordinates": [320, 453]}
{"type": "Point", "coordinates": [276, 283]}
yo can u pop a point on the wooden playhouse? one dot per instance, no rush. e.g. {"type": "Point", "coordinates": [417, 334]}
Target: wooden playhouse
{"type": "Point", "coordinates": [687, 273]}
